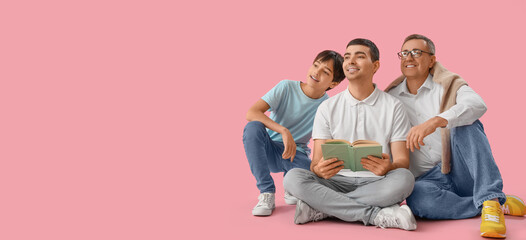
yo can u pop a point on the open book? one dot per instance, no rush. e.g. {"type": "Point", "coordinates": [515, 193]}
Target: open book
{"type": "Point", "coordinates": [351, 153]}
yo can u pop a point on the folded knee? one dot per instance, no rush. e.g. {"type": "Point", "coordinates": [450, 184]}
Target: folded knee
{"type": "Point", "coordinates": [397, 187]}
{"type": "Point", "coordinates": [405, 176]}
{"type": "Point", "coordinates": [293, 180]}
{"type": "Point", "coordinates": [253, 129]}
{"type": "Point", "coordinates": [423, 197]}
{"type": "Point", "coordinates": [475, 131]}
{"type": "Point", "coordinates": [403, 182]}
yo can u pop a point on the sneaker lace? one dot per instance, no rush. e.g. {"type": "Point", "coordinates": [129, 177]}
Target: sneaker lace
{"type": "Point", "coordinates": [265, 200]}
{"type": "Point", "coordinates": [388, 222]}
{"type": "Point", "coordinates": [316, 215]}
{"type": "Point", "coordinates": [505, 209]}
{"type": "Point", "coordinates": [492, 213]}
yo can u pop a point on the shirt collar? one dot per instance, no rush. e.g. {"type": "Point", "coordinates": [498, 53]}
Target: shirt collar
{"type": "Point", "coordinates": [370, 100]}
{"type": "Point", "coordinates": [428, 84]}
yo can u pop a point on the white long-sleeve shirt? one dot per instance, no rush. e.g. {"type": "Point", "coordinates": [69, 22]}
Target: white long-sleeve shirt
{"type": "Point", "coordinates": [424, 105]}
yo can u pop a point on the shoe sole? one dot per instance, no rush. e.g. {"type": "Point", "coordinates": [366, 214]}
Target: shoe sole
{"type": "Point", "coordinates": [260, 213]}
{"type": "Point", "coordinates": [492, 235]}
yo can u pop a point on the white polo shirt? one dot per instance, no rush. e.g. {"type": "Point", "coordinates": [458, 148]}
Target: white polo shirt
{"type": "Point", "coordinates": [425, 105]}
{"type": "Point", "coordinates": [380, 117]}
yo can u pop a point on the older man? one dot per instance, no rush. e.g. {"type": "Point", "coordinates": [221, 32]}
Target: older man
{"type": "Point", "coordinates": [457, 176]}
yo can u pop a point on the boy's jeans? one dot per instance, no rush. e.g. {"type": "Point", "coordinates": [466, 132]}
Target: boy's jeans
{"type": "Point", "coordinates": [474, 178]}
{"type": "Point", "coordinates": [264, 156]}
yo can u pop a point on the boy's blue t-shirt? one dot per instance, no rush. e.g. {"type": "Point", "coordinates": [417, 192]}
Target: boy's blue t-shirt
{"type": "Point", "coordinates": [291, 108]}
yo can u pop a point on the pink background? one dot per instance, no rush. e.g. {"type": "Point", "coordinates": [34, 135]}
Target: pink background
{"type": "Point", "coordinates": [123, 119]}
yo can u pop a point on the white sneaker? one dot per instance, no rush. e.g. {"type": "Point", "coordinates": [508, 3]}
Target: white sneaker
{"type": "Point", "coordinates": [289, 199]}
{"type": "Point", "coordinates": [265, 205]}
{"type": "Point", "coordinates": [396, 217]}
{"type": "Point", "coordinates": [305, 214]}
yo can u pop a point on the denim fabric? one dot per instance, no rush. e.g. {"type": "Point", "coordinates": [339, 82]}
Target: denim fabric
{"type": "Point", "coordinates": [474, 178]}
{"type": "Point", "coordinates": [264, 156]}
{"type": "Point", "coordinates": [350, 198]}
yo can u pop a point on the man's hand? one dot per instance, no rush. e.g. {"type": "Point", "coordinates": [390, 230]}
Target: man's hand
{"type": "Point", "coordinates": [290, 145]}
{"type": "Point", "coordinates": [416, 135]}
{"type": "Point", "coordinates": [378, 166]}
{"type": "Point", "coordinates": [328, 168]}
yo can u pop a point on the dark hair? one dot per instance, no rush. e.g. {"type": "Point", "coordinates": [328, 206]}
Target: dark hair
{"type": "Point", "coordinates": [337, 61]}
{"type": "Point", "coordinates": [375, 54]}
{"type": "Point", "coordinates": [430, 44]}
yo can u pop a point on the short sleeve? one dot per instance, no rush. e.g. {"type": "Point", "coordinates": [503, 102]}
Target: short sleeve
{"type": "Point", "coordinates": [401, 125]}
{"type": "Point", "coordinates": [275, 94]}
{"type": "Point", "coordinates": [321, 126]}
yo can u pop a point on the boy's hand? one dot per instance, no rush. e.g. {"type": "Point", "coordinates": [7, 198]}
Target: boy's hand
{"type": "Point", "coordinates": [290, 145]}
{"type": "Point", "coordinates": [328, 168]}
{"type": "Point", "coordinates": [378, 166]}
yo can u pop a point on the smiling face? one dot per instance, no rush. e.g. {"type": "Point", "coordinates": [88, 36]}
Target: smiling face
{"type": "Point", "coordinates": [416, 68]}
{"type": "Point", "coordinates": [321, 74]}
{"type": "Point", "coordinates": [357, 63]}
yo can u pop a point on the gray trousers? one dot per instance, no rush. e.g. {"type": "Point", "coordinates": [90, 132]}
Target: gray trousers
{"type": "Point", "coordinates": [349, 198]}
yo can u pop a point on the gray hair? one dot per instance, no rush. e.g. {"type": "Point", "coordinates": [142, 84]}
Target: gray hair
{"type": "Point", "coordinates": [429, 43]}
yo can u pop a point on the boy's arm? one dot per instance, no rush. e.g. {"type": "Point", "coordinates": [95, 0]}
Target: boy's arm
{"type": "Point", "coordinates": [324, 168]}
{"type": "Point", "coordinates": [257, 113]}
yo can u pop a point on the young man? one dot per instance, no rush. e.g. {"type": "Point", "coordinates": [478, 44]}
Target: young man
{"type": "Point", "coordinates": [450, 153]}
{"type": "Point", "coordinates": [361, 112]}
{"type": "Point", "coordinates": [279, 143]}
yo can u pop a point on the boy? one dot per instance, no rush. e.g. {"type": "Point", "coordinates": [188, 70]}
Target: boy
{"type": "Point", "coordinates": [283, 145]}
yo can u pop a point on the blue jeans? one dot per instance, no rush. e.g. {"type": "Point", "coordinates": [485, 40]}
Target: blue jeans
{"type": "Point", "coordinates": [474, 178]}
{"type": "Point", "coordinates": [264, 156]}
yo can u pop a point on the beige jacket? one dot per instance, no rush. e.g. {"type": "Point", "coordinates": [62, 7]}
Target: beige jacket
{"type": "Point", "coordinates": [451, 83]}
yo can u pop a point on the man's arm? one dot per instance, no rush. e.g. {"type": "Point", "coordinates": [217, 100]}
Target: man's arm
{"type": "Point", "coordinates": [257, 113]}
{"type": "Point", "coordinates": [416, 135]}
{"type": "Point", "coordinates": [381, 166]}
{"type": "Point", "coordinates": [400, 155]}
{"type": "Point", "coordinates": [468, 109]}
{"type": "Point", "coordinates": [324, 168]}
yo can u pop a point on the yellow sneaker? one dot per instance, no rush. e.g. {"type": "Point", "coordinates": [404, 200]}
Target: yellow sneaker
{"type": "Point", "coordinates": [514, 206]}
{"type": "Point", "coordinates": [492, 225]}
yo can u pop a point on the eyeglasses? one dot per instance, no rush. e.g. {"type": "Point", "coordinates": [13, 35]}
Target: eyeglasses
{"type": "Point", "coordinates": [415, 53]}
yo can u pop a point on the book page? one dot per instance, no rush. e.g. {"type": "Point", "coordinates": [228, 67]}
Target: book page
{"type": "Point", "coordinates": [338, 141]}
{"type": "Point", "coordinates": [360, 143]}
